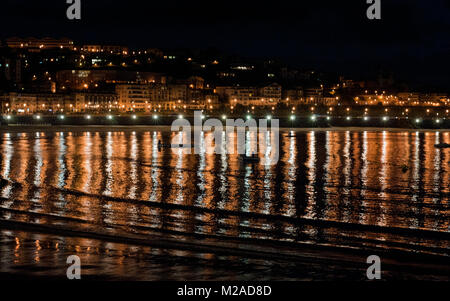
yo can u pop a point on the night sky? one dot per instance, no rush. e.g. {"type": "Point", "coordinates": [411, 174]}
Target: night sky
{"type": "Point", "coordinates": [411, 40]}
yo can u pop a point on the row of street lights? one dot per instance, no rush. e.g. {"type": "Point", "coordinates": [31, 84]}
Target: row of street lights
{"type": "Point", "coordinates": [224, 117]}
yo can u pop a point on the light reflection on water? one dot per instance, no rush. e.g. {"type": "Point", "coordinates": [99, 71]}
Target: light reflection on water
{"type": "Point", "coordinates": [111, 180]}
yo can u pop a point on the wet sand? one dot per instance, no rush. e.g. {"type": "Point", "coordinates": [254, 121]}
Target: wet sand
{"type": "Point", "coordinates": [107, 256]}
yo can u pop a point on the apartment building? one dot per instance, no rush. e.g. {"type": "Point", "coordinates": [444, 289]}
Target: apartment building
{"type": "Point", "coordinates": [434, 99]}
{"type": "Point", "coordinates": [31, 103]}
{"type": "Point", "coordinates": [150, 97]}
{"type": "Point", "coordinates": [292, 96]}
{"type": "Point", "coordinates": [93, 102]}
{"type": "Point", "coordinates": [134, 97]}
{"type": "Point", "coordinates": [272, 93]}
{"type": "Point", "coordinates": [250, 96]}
{"type": "Point", "coordinates": [409, 98]}
{"type": "Point", "coordinates": [113, 49]}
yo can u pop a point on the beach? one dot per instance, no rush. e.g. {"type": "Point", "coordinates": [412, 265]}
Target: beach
{"type": "Point", "coordinates": [133, 212]}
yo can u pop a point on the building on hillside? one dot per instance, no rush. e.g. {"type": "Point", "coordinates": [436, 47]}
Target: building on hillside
{"type": "Point", "coordinates": [147, 97]}
{"type": "Point", "coordinates": [434, 99]}
{"type": "Point", "coordinates": [319, 100]}
{"type": "Point", "coordinates": [85, 79]}
{"type": "Point", "coordinates": [250, 96]}
{"type": "Point", "coordinates": [53, 103]}
{"type": "Point", "coordinates": [112, 49]}
{"type": "Point", "coordinates": [133, 97]}
{"type": "Point", "coordinates": [39, 44]}
{"type": "Point", "coordinates": [31, 103]}
{"type": "Point", "coordinates": [409, 98]}
{"type": "Point", "coordinates": [272, 93]}
{"type": "Point", "coordinates": [292, 96]}
{"type": "Point", "coordinates": [93, 102]}
{"type": "Point", "coordinates": [313, 92]}
{"type": "Point", "coordinates": [377, 99]}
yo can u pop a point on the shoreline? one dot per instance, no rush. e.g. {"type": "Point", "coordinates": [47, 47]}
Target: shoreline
{"type": "Point", "coordinates": [165, 128]}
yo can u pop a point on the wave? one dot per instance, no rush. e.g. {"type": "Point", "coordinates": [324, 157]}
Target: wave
{"type": "Point", "coordinates": [319, 223]}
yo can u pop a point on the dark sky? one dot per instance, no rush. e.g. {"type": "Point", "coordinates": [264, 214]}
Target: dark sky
{"type": "Point", "coordinates": [411, 40]}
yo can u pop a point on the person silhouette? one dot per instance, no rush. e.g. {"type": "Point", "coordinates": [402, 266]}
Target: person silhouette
{"type": "Point", "coordinates": [159, 145]}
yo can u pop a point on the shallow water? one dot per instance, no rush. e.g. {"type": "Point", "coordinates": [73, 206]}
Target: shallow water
{"type": "Point", "coordinates": [130, 211]}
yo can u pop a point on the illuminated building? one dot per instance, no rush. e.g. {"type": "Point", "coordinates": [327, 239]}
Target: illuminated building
{"type": "Point", "coordinates": [39, 44]}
